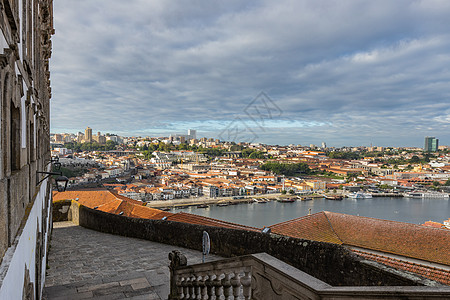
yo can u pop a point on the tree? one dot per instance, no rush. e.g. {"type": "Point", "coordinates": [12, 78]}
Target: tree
{"type": "Point", "coordinates": [147, 154]}
{"type": "Point", "coordinates": [343, 155]}
{"type": "Point", "coordinates": [292, 192]}
{"type": "Point", "coordinates": [414, 159]}
{"type": "Point", "coordinates": [286, 169]}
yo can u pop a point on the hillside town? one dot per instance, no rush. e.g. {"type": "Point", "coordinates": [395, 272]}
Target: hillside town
{"type": "Point", "coordinates": [182, 166]}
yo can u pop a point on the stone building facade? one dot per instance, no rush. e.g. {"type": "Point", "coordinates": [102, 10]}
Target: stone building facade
{"type": "Point", "coordinates": [25, 49]}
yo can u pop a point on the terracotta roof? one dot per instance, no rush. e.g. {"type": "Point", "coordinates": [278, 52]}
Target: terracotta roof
{"type": "Point", "coordinates": [110, 202]}
{"type": "Point", "coordinates": [145, 212]}
{"type": "Point", "coordinates": [311, 227]}
{"type": "Point", "coordinates": [89, 198]}
{"type": "Point", "coordinates": [437, 274]}
{"type": "Point", "coordinates": [200, 220]}
{"type": "Point", "coordinates": [404, 239]}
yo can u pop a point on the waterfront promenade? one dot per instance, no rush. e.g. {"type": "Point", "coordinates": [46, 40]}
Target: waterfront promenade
{"type": "Point", "coordinates": [193, 201]}
{"type": "Point", "coordinates": [179, 202]}
{"type": "Point", "coordinates": [86, 264]}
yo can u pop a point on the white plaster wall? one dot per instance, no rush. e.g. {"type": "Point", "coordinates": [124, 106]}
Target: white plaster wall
{"type": "Point", "coordinates": [23, 252]}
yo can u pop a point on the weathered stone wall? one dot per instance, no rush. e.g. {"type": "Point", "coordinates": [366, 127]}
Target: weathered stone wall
{"type": "Point", "coordinates": [61, 210]}
{"type": "Point", "coordinates": [25, 50]}
{"type": "Point", "coordinates": [331, 263]}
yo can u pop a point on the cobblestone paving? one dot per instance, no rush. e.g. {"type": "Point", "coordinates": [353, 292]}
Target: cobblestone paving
{"type": "Point", "coordinates": [86, 264]}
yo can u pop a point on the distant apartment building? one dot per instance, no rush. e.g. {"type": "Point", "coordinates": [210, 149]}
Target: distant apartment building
{"type": "Point", "coordinates": [101, 139]}
{"type": "Point", "coordinates": [115, 139]}
{"type": "Point", "coordinates": [316, 185]}
{"type": "Point", "coordinates": [431, 144]}
{"type": "Point", "coordinates": [192, 134]}
{"type": "Point", "coordinates": [88, 135]}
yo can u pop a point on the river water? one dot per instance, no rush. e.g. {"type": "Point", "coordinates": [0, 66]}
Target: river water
{"type": "Point", "coordinates": [409, 210]}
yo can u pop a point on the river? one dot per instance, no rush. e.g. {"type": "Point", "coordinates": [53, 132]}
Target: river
{"type": "Point", "coordinates": [409, 210]}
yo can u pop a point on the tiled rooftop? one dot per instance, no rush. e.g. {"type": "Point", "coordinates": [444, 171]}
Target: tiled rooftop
{"type": "Point", "coordinates": [405, 239]}
{"type": "Point", "coordinates": [439, 275]}
{"type": "Point", "coordinates": [311, 227]}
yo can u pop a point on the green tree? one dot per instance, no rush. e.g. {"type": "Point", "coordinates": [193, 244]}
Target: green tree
{"type": "Point", "coordinates": [286, 169]}
{"type": "Point", "coordinates": [343, 155]}
{"type": "Point", "coordinates": [414, 159]}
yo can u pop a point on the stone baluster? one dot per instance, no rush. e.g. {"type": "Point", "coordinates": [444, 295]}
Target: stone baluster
{"type": "Point", "coordinates": [192, 287]}
{"type": "Point", "coordinates": [246, 282]}
{"type": "Point", "coordinates": [226, 285]}
{"type": "Point", "coordinates": [210, 287]}
{"type": "Point", "coordinates": [187, 288]}
{"type": "Point", "coordinates": [236, 284]}
{"type": "Point", "coordinates": [180, 289]}
{"type": "Point", "coordinates": [197, 294]}
{"type": "Point", "coordinates": [218, 290]}
{"type": "Point", "coordinates": [202, 294]}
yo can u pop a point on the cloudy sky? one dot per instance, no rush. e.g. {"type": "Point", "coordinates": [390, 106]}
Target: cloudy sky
{"type": "Point", "coordinates": [279, 72]}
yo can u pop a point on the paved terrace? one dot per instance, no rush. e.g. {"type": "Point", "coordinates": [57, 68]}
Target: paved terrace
{"type": "Point", "coordinates": [86, 264]}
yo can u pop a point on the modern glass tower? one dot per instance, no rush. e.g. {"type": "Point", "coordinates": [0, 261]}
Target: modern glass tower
{"type": "Point", "coordinates": [431, 144]}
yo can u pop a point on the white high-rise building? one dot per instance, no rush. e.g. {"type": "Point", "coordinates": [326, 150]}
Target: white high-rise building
{"type": "Point", "coordinates": [192, 134]}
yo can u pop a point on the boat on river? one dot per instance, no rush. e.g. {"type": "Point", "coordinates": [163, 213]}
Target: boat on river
{"type": "Point", "coordinates": [360, 195]}
{"type": "Point", "coordinates": [333, 197]}
{"type": "Point", "coordinates": [286, 200]}
{"type": "Point", "coordinates": [425, 194]}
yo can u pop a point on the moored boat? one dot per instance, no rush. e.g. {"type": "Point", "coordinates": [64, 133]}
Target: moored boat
{"type": "Point", "coordinates": [334, 197]}
{"type": "Point", "coordinates": [360, 195]}
{"type": "Point", "coordinates": [425, 194]}
{"type": "Point", "coordinates": [286, 200]}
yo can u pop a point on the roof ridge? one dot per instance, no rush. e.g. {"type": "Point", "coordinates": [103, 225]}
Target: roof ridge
{"type": "Point", "coordinates": [296, 219]}
{"type": "Point", "coordinates": [216, 220]}
{"type": "Point", "coordinates": [384, 220]}
{"type": "Point", "coordinates": [331, 226]}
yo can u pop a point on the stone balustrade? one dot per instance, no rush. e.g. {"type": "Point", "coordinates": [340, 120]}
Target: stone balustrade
{"type": "Point", "coordinates": [230, 284]}
{"type": "Point", "coordinates": [261, 276]}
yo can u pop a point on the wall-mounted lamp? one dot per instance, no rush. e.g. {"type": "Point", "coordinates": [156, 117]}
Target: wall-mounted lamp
{"type": "Point", "coordinates": [61, 181]}
{"type": "Point", "coordinates": [55, 163]}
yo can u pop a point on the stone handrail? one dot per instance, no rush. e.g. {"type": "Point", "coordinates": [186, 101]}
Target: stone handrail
{"type": "Point", "coordinates": [261, 276]}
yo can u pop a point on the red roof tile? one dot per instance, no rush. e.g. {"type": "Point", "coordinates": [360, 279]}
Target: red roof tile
{"type": "Point", "coordinates": [405, 239]}
{"type": "Point", "coordinates": [440, 275]}
{"type": "Point", "coordinates": [311, 227]}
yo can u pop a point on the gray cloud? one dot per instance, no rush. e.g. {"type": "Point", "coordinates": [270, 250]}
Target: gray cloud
{"type": "Point", "coordinates": [358, 72]}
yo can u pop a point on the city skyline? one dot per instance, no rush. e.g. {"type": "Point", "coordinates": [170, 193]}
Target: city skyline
{"type": "Point", "coordinates": [353, 73]}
